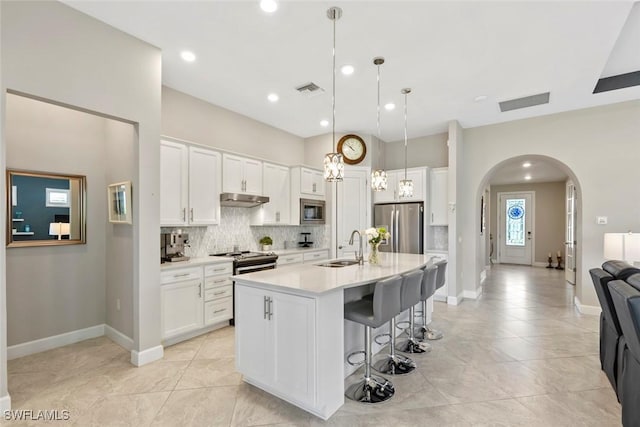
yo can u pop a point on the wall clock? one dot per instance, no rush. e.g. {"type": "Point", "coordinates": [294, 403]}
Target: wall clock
{"type": "Point", "coordinates": [352, 148]}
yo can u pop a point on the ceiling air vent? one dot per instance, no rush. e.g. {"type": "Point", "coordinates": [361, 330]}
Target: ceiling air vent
{"type": "Point", "coordinates": [527, 101]}
{"type": "Point", "coordinates": [310, 89]}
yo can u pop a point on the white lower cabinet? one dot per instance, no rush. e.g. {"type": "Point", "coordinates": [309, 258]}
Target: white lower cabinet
{"type": "Point", "coordinates": [308, 257]}
{"type": "Point", "coordinates": [192, 298]}
{"type": "Point", "coordinates": [181, 302]}
{"type": "Point", "coordinates": [279, 349]}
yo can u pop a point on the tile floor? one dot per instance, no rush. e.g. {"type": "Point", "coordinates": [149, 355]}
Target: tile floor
{"type": "Point", "coordinates": [519, 356]}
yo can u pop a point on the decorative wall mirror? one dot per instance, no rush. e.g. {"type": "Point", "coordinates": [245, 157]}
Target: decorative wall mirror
{"type": "Point", "coordinates": [45, 209]}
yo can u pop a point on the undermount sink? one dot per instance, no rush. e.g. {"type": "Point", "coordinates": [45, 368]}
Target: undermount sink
{"type": "Point", "coordinates": [339, 263]}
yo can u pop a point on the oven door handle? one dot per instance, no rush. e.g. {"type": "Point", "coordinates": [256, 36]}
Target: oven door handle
{"type": "Point", "coordinates": [259, 267]}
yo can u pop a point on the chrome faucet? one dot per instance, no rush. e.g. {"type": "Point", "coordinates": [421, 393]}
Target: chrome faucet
{"type": "Point", "coordinates": [359, 255]}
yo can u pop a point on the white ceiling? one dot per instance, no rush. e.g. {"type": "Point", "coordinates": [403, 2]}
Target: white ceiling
{"type": "Point", "coordinates": [512, 172]}
{"type": "Point", "coordinates": [449, 52]}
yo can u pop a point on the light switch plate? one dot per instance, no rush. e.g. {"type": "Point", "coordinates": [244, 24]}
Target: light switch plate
{"type": "Point", "coordinates": [601, 220]}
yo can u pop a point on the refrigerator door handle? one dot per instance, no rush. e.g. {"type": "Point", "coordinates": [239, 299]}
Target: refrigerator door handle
{"type": "Point", "coordinates": [397, 230]}
{"type": "Point", "coordinates": [392, 230]}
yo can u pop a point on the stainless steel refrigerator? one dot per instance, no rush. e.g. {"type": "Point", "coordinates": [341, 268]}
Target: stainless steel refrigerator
{"type": "Point", "coordinates": [405, 222]}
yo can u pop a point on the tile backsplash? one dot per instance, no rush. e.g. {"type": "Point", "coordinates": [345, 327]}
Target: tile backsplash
{"type": "Point", "coordinates": [235, 229]}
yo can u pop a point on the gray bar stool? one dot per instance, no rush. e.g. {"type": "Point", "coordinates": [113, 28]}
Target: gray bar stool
{"type": "Point", "coordinates": [410, 296]}
{"type": "Point", "coordinates": [432, 334]}
{"type": "Point", "coordinates": [427, 290]}
{"type": "Point", "coordinates": [373, 314]}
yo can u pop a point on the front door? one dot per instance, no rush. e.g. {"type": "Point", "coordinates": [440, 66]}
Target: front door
{"type": "Point", "coordinates": [515, 235]}
{"type": "Point", "coordinates": [570, 237]}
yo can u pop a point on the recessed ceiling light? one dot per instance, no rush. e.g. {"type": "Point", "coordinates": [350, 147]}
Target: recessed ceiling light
{"type": "Point", "coordinates": [324, 123]}
{"type": "Point", "coordinates": [480, 98]}
{"type": "Point", "coordinates": [273, 97]}
{"type": "Point", "coordinates": [188, 56]}
{"type": "Point", "coordinates": [347, 70]}
{"type": "Point", "coordinates": [526, 165]}
{"type": "Point", "coordinates": [390, 106]}
{"type": "Point", "coordinates": [268, 6]}
{"type": "Point", "coordinates": [527, 177]}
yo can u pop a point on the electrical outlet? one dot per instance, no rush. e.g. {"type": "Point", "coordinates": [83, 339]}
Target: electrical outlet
{"type": "Point", "coordinates": [601, 220]}
{"type": "Point", "coordinates": [118, 304]}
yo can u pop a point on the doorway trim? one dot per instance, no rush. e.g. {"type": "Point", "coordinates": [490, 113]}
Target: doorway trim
{"type": "Point", "coordinates": [499, 215]}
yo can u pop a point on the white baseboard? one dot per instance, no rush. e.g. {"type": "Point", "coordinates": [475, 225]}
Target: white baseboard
{"type": "Point", "coordinates": [440, 298]}
{"type": "Point", "coordinates": [455, 300]}
{"type": "Point", "coordinates": [5, 403]}
{"type": "Point", "coordinates": [483, 276]}
{"type": "Point", "coordinates": [44, 344]}
{"type": "Point", "coordinates": [473, 294]}
{"type": "Point", "coordinates": [118, 337]}
{"type": "Point", "coordinates": [139, 358]}
{"type": "Point", "coordinates": [539, 264]}
{"type": "Point", "coordinates": [587, 309]}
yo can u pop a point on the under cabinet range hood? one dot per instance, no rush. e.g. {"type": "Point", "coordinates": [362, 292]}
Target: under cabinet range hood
{"type": "Point", "coordinates": [242, 200]}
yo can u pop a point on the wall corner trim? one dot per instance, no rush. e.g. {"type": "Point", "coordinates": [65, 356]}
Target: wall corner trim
{"type": "Point", "coordinates": [590, 310]}
{"type": "Point", "coordinates": [140, 358]}
{"type": "Point", "coordinates": [5, 403]}
{"type": "Point", "coordinates": [118, 337]}
{"type": "Point", "coordinates": [473, 294]}
{"type": "Point", "coordinates": [48, 343]}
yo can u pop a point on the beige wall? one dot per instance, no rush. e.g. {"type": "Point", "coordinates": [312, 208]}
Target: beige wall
{"type": "Point", "coordinates": [549, 216]}
{"type": "Point", "coordinates": [93, 66]}
{"type": "Point", "coordinates": [596, 147]}
{"type": "Point", "coordinates": [66, 291]}
{"type": "Point", "coordinates": [430, 151]}
{"type": "Point", "coordinates": [188, 118]}
{"type": "Point", "coordinates": [119, 139]}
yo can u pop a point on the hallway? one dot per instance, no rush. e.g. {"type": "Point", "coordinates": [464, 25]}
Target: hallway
{"type": "Point", "coordinates": [519, 356]}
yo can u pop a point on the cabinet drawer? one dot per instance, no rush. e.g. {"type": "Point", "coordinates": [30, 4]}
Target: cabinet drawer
{"type": "Point", "coordinates": [218, 310]}
{"type": "Point", "coordinates": [217, 293]}
{"type": "Point", "coordinates": [218, 269]}
{"type": "Point", "coordinates": [289, 259]}
{"type": "Point", "coordinates": [180, 275]}
{"type": "Point", "coordinates": [216, 281]}
{"type": "Point", "coordinates": [315, 256]}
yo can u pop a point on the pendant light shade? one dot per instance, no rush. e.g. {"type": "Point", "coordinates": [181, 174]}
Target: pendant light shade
{"type": "Point", "coordinates": [333, 162]}
{"type": "Point", "coordinates": [405, 188]}
{"type": "Point", "coordinates": [379, 176]}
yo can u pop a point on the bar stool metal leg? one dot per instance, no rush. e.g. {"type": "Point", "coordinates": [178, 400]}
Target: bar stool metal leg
{"type": "Point", "coordinates": [424, 332]}
{"type": "Point", "coordinates": [392, 363]}
{"type": "Point", "coordinates": [371, 388]}
{"type": "Point", "coordinates": [411, 345]}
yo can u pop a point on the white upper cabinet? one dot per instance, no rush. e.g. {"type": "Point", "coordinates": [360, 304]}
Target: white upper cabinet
{"type": "Point", "coordinates": [277, 187]}
{"type": "Point", "coordinates": [391, 194]}
{"type": "Point", "coordinates": [205, 175]}
{"type": "Point", "coordinates": [241, 175]}
{"type": "Point", "coordinates": [439, 196]}
{"type": "Point", "coordinates": [174, 183]}
{"type": "Point", "coordinates": [189, 185]}
{"type": "Point", "coordinates": [312, 182]}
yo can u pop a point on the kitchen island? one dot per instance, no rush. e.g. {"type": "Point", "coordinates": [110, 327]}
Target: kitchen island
{"type": "Point", "coordinates": [291, 336]}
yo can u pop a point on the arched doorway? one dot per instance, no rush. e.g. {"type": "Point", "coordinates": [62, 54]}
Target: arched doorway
{"type": "Point", "coordinates": [537, 168]}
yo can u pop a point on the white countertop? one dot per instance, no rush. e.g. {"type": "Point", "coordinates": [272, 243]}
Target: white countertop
{"type": "Point", "coordinates": [312, 279]}
{"type": "Point", "coordinates": [194, 262]}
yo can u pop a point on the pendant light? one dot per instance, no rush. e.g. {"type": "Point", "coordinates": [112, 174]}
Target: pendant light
{"type": "Point", "coordinates": [333, 162]}
{"type": "Point", "coordinates": [406, 185]}
{"type": "Point", "coordinates": [379, 176]}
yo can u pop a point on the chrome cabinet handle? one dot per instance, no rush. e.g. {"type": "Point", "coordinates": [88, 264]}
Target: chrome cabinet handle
{"type": "Point", "coordinates": [184, 214]}
{"type": "Point", "coordinates": [264, 306]}
{"type": "Point", "coordinates": [219, 293]}
{"type": "Point", "coordinates": [181, 275]}
{"type": "Point", "coordinates": [431, 216]}
{"type": "Point", "coordinates": [277, 216]}
{"type": "Point", "coordinates": [314, 187]}
{"type": "Point", "coordinates": [219, 269]}
{"type": "Point", "coordinates": [220, 311]}
{"type": "Point", "coordinates": [270, 308]}
{"type": "Point", "coordinates": [220, 281]}
{"type": "Point", "coordinates": [200, 290]}
{"type": "Point", "coordinates": [191, 214]}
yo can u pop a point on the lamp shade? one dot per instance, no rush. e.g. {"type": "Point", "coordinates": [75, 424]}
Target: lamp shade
{"type": "Point", "coordinates": [59, 229]}
{"type": "Point", "coordinates": [622, 246]}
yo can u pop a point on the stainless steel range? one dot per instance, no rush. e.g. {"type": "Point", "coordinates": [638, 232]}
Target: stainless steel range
{"type": "Point", "coordinates": [249, 262]}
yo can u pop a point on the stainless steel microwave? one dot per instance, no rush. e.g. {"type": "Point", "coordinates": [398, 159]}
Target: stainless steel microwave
{"type": "Point", "coordinates": [312, 211]}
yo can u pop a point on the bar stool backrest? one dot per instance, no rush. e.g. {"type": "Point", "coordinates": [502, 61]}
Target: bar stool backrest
{"type": "Point", "coordinates": [442, 271]}
{"type": "Point", "coordinates": [411, 287]}
{"type": "Point", "coordinates": [428, 282]}
{"type": "Point", "coordinates": [386, 299]}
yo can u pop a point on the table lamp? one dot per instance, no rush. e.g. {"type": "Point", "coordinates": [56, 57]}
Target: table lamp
{"type": "Point", "coordinates": [59, 229]}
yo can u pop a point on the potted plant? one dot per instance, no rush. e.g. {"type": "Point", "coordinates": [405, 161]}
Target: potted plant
{"type": "Point", "coordinates": [266, 243]}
